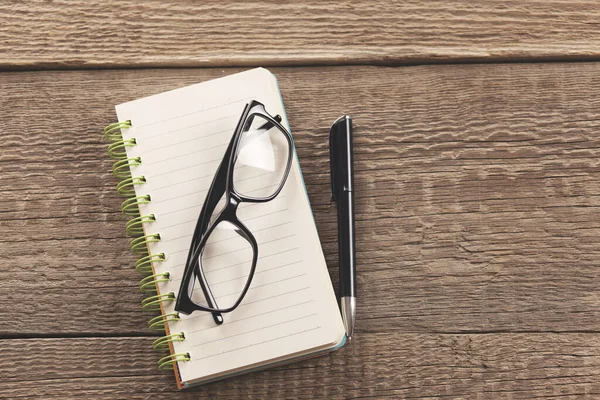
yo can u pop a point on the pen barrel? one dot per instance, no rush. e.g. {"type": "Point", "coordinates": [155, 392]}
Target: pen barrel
{"type": "Point", "coordinates": [347, 252]}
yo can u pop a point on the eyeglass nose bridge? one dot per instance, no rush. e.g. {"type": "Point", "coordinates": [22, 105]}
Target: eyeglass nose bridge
{"type": "Point", "coordinates": [230, 209]}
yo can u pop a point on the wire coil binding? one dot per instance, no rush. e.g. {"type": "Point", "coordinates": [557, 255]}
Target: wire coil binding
{"type": "Point", "coordinates": [125, 187]}
{"type": "Point", "coordinates": [112, 132]}
{"type": "Point", "coordinates": [152, 303]}
{"type": "Point", "coordinates": [131, 205]}
{"type": "Point", "coordinates": [135, 226]}
{"type": "Point", "coordinates": [144, 265]}
{"type": "Point", "coordinates": [158, 323]}
{"type": "Point", "coordinates": [139, 245]}
{"type": "Point", "coordinates": [168, 361]}
{"type": "Point", "coordinates": [148, 284]}
{"type": "Point", "coordinates": [162, 343]}
{"type": "Point", "coordinates": [117, 150]}
{"type": "Point", "coordinates": [121, 169]}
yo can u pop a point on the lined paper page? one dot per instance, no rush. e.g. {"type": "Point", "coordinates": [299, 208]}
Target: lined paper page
{"type": "Point", "coordinates": [290, 307]}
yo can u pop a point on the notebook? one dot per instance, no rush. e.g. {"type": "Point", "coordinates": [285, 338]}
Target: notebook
{"type": "Point", "coordinates": [167, 148]}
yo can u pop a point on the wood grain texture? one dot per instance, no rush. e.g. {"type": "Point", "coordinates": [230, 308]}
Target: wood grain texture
{"type": "Point", "coordinates": [477, 195]}
{"type": "Point", "coordinates": [375, 365]}
{"type": "Point", "coordinates": [84, 34]}
{"type": "Point", "coordinates": [478, 199]}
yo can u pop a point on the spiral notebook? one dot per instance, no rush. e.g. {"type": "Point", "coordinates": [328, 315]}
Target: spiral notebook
{"type": "Point", "coordinates": [167, 148]}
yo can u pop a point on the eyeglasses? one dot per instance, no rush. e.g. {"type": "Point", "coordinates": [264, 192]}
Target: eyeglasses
{"type": "Point", "coordinates": [223, 252]}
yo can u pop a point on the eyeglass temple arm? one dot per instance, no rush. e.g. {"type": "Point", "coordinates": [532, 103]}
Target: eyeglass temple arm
{"type": "Point", "coordinates": [269, 124]}
{"type": "Point", "coordinates": [216, 192]}
{"type": "Point", "coordinates": [210, 299]}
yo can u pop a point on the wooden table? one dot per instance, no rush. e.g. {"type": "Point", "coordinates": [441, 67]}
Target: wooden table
{"type": "Point", "coordinates": [478, 190]}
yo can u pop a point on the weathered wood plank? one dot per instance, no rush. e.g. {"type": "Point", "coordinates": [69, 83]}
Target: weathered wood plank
{"type": "Point", "coordinates": [83, 34]}
{"type": "Point", "coordinates": [375, 365]}
{"type": "Point", "coordinates": [478, 193]}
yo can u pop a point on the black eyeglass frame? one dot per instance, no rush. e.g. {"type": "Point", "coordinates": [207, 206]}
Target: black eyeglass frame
{"type": "Point", "coordinates": [222, 184]}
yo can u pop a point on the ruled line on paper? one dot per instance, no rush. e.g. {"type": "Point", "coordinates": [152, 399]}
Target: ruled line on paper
{"type": "Point", "coordinates": [252, 287]}
{"type": "Point", "coordinates": [182, 209]}
{"type": "Point", "coordinates": [262, 271]}
{"type": "Point", "coordinates": [249, 317]}
{"type": "Point", "coordinates": [248, 303]}
{"type": "Point", "coordinates": [164, 229]}
{"type": "Point", "coordinates": [221, 297]}
{"type": "Point", "coordinates": [187, 248]}
{"type": "Point", "coordinates": [254, 231]}
{"type": "Point", "coordinates": [245, 100]}
{"type": "Point", "coordinates": [203, 177]}
{"type": "Point", "coordinates": [216, 146]}
{"type": "Point", "coordinates": [162, 146]}
{"type": "Point", "coordinates": [206, 190]}
{"type": "Point", "coordinates": [265, 242]}
{"type": "Point", "coordinates": [187, 181]}
{"type": "Point", "coordinates": [198, 192]}
{"type": "Point", "coordinates": [233, 236]}
{"type": "Point", "coordinates": [260, 243]}
{"type": "Point", "coordinates": [194, 152]}
{"type": "Point", "coordinates": [260, 257]}
{"type": "Point", "coordinates": [191, 182]}
{"type": "Point", "coordinates": [256, 344]}
{"type": "Point", "coordinates": [179, 170]}
{"type": "Point", "coordinates": [215, 161]}
{"type": "Point", "coordinates": [241, 208]}
{"type": "Point", "coordinates": [258, 329]}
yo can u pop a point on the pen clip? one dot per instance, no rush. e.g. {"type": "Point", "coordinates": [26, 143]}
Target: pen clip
{"type": "Point", "coordinates": [332, 163]}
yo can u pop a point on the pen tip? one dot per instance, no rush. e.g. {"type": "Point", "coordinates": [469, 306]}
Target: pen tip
{"type": "Point", "coordinates": [348, 308]}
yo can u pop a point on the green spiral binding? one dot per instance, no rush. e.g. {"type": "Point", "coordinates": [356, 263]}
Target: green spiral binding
{"type": "Point", "coordinates": [135, 226]}
{"type": "Point", "coordinates": [148, 284]}
{"type": "Point", "coordinates": [162, 343]}
{"type": "Point", "coordinates": [131, 205]}
{"type": "Point", "coordinates": [158, 323]}
{"type": "Point", "coordinates": [122, 168]}
{"type": "Point", "coordinates": [139, 244]}
{"type": "Point", "coordinates": [152, 303]}
{"type": "Point", "coordinates": [125, 187]}
{"type": "Point", "coordinates": [116, 150]}
{"type": "Point", "coordinates": [168, 361]}
{"type": "Point", "coordinates": [144, 264]}
{"type": "Point", "coordinates": [112, 132]}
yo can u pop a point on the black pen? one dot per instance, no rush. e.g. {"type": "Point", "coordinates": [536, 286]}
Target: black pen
{"type": "Point", "coordinates": [342, 184]}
